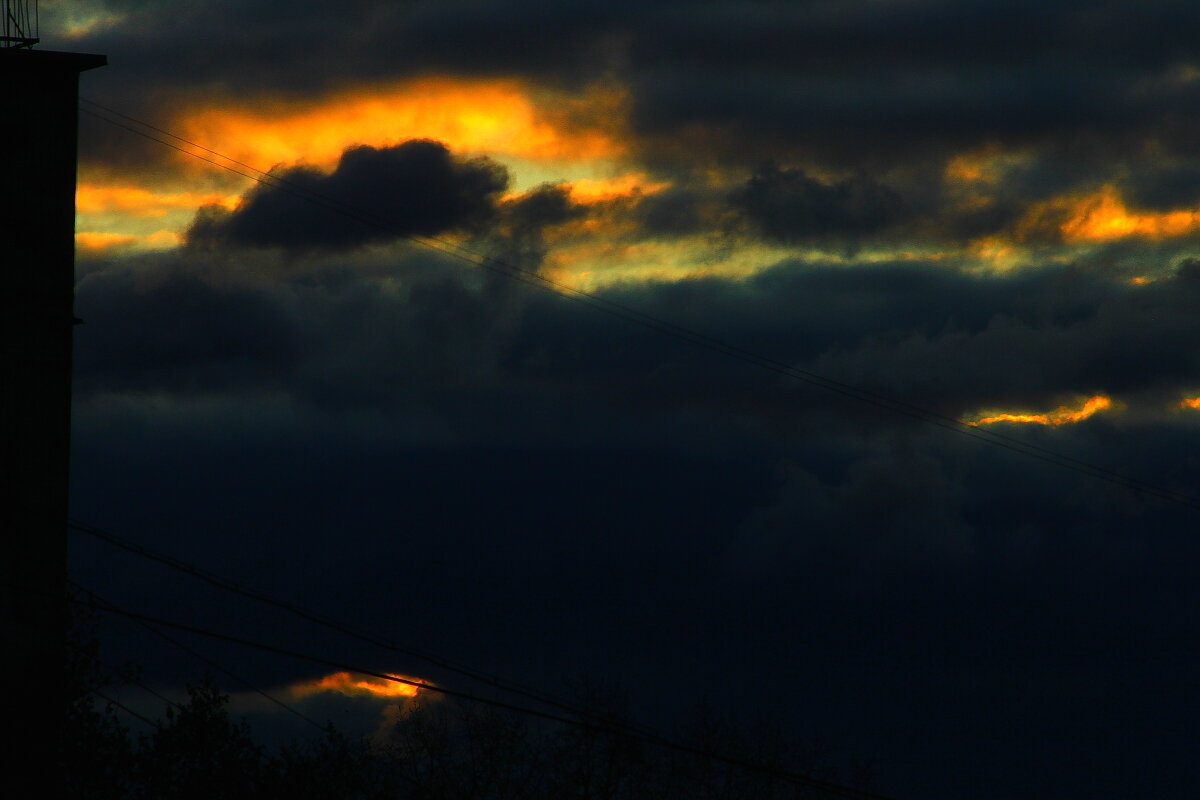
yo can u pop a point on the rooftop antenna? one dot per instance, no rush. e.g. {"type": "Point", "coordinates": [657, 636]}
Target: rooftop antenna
{"type": "Point", "coordinates": [20, 25]}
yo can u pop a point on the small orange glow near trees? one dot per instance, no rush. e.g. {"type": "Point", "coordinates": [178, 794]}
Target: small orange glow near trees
{"type": "Point", "coordinates": [358, 686]}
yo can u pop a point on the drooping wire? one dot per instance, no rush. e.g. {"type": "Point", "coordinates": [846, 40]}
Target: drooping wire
{"type": "Point", "coordinates": [311, 616]}
{"type": "Point", "coordinates": [126, 709]}
{"type": "Point", "coordinates": [208, 661]}
{"type": "Point", "coordinates": [601, 727]}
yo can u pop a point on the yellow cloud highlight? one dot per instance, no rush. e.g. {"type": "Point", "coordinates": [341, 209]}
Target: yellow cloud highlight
{"type": "Point", "coordinates": [1103, 216]}
{"type": "Point", "coordinates": [1063, 415]}
{"type": "Point", "coordinates": [986, 164]}
{"type": "Point", "coordinates": [999, 251]}
{"type": "Point", "coordinates": [70, 23]}
{"type": "Point", "coordinates": [598, 190]}
{"type": "Point", "coordinates": [100, 241]}
{"type": "Point", "coordinates": [357, 686]}
{"type": "Point", "coordinates": [92, 198]}
{"type": "Point", "coordinates": [480, 116]}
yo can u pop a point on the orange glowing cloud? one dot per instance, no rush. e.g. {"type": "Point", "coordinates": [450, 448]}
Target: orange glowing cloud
{"type": "Point", "coordinates": [986, 164]}
{"type": "Point", "coordinates": [98, 241]}
{"type": "Point", "coordinates": [360, 686]}
{"type": "Point", "coordinates": [1190, 402]}
{"type": "Point", "coordinates": [481, 116]}
{"type": "Point", "coordinates": [1103, 216]}
{"type": "Point", "coordinates": [598, 190]}
{"type": "Point", "coordinates": [92, 198]}
{"type": "Point", "coordinates": [1063, 415]}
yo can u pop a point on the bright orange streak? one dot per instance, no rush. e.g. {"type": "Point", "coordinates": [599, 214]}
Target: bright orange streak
{"type": "Point", "coordinates": [91, 240]}
{"type": "Point", "coordinates": [351, 686]}
{"type": "Point", "coordinates": [597, 190]}
{"type": "Point", "coordinates": [1190, 402]}
{"type": "Point", "coordinates": [1103, 216]}
{"type": "Point", "coordinates": [99, 241]}
{"type": "Point", "coordinates": [494, 116]}
{"type": "Point", "coordinates": [1062, 415]}
{"type": "Point", "coordinates": [91, 198]}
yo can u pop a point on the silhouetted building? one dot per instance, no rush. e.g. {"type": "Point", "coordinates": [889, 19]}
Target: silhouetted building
{"type": "Point", "coordinates": [39, 92]}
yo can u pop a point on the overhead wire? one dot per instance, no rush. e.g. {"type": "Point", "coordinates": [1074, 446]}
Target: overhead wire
{"type": "Point", "coordinates": [125, 708]}
{"type": "Point", "coordinates": [635, 316]}
{"type": "Point", "coordinates": [602, 727]}
{"type": "Point", "coordinates": [209, 662]}
{"type": "Point", "coordinates": [233, 587]}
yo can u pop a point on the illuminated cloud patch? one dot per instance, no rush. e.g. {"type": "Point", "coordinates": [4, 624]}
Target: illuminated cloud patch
{"type": "Point", "coordinates": [598, 190]}
{"type": "Point", "coordinates": [498, 117]}
{"type": "Point", "coordinates": [1063, 415]}
{"type": "Point", "coordinates": [350, 685]}
{"type": "Point", "coordinates": [93, 198]}
{"type": "Point", "coordinates": [103, 241]}
{"type": "Point", "coordinates": [1102, 216]}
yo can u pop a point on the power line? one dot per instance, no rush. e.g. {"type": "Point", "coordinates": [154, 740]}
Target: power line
{"type": "Point", "coordinates": [208, 661]}
{"type": "Point", "coordinates": [311, 616]}
{"type": "Point", "coordinates": [635, 316]}
{"type": "Point", "coordinates": [156, 693]}
{"type": "Point", "coordinates": [125, 708]}
{"type": "Point", "coordinates": [601, 727]}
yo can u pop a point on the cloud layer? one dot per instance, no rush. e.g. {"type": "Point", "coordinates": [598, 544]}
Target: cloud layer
{"type": "Point", "coordinates": [984, 210]}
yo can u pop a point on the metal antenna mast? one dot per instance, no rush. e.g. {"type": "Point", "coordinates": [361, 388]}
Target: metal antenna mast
{"type": "Point", "coordinates": [20, 27]}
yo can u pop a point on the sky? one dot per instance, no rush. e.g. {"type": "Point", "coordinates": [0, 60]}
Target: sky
{"type": "Point", "coordinates": [987, 211]}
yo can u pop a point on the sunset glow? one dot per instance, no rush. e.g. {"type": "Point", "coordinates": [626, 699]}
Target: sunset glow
{"type": "Point", "coordinates": [1063, 415]}
{"type": "Point", "coordinates": [93, 198]}
{"type": "Point", "coordinates": [631, 342]}
{"type": "Point", "coordinates": [493, 117]}
{"type": "Point", "coordinates": [1103, 216]}
{"type": "Point", "coordinates": [357, 686]}
{"type": "Point", "coordinates": [598, 190]}
{"type": "Point", "coordinates": [97, 241]}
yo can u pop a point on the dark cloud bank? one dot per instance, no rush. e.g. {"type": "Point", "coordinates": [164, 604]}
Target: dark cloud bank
{"type": "Point", "coordinates": [526, 471]}
{"type": "Point", "coordinates": [416, 188]}
{"type": "Point", "coordinates": [514, 480]}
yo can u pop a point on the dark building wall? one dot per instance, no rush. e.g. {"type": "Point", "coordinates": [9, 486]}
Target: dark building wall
{"type": "Point", "coordinates": [37, 222]}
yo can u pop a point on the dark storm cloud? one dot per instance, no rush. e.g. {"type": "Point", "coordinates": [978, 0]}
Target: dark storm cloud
{"type": "Point", "coordinates": [777, 204]}
{"type": "Point", "coordinates": [194, 326]}
{"type": "Point", "coordinates": [1165, 188]}
{"type": "Point", "coordinates": [1064, 333]}
{"type": "Point", "coordinates": [787, 205]}
{"type": "Point", "coordinates": [518, 239]}
{"type": "Point", "coordinates": [338, 338]}
{"type": "Point", "coordinates": [163, 49]}
{"type": "Point", "coordinates": [415, 188]}
{"type": "Point", "coordinates": [177, 333]}
{"type": "Point", "coordinates": [880, 80]}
